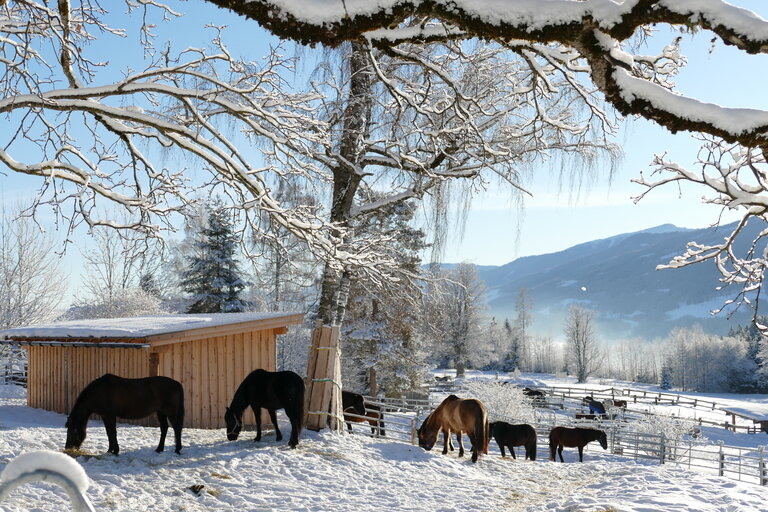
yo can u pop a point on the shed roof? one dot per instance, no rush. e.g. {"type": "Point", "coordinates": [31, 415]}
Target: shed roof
{"type": "Point", "coordinates": [754, 412]}
{"type": "Point", "coordinates": [153, 328]}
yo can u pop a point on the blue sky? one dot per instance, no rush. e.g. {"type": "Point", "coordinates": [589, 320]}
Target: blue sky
{"type": "Point", "coordinates": [554, 218]}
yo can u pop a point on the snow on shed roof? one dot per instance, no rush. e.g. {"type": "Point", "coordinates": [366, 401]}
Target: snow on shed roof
{"type": "Point", "coordinates": [754, 412]}
{"type": "Point", "coordinates": [143, 326]}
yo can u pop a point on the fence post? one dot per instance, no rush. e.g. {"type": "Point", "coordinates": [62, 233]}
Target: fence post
{"type": "Point", "coordinates": [721, 460]}
{"type": "Point", "coordinates": [413, 430]}
{"type": "Point", "coordinates": [761, 465]}
{"type": "Point", "coordinates": [662, 454]}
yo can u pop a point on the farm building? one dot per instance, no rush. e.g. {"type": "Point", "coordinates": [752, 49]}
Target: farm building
{"type": "Point", "coordinates": [210, 354]}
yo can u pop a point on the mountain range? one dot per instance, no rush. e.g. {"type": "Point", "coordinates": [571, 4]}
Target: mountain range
{"type": "Point", "coordinates": [617, 278]}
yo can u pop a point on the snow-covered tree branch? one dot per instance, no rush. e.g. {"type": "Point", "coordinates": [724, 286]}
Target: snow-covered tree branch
{"type": "Point", "coordinates": [594, 38]}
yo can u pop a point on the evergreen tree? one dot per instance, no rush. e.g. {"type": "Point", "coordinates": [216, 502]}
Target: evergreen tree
{"type": "Point", "coordinates": [213, 275]}
{"type": "Point", "coordinates": [512, 359]}
{"type": "Point", "coordinates": [666, 378]}
{"type": "Point", "coordinates": [381, 335]}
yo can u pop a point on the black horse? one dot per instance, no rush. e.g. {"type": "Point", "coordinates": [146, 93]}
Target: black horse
{"type": "Point", "coordinates": [574, 438]}
{"type": "Point", "coordinates": [514, 435]}
{"type": "Point", "coordinates": [113, 397]}
{"type": "Point", "coordinates": [272, 391]}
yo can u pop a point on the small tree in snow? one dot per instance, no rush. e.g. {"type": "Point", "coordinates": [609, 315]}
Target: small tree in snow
{"type": "Point", "coordinates": [213, 277]}
{"type": "Point", "coordinates": [582, 342]}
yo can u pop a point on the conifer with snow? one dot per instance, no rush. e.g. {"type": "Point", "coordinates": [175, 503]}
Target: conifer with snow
{"type": "Point", "coordinates": [213, 276]}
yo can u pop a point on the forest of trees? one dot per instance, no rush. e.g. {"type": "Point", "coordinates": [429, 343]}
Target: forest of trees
{"type": "Point", "coordinates": [392, 336]}
{"type": "Point", "coordinates": [408, 108]}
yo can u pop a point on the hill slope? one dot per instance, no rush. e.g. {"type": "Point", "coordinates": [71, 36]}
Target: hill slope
{"type": "Point", "coordinates": [617, 278]}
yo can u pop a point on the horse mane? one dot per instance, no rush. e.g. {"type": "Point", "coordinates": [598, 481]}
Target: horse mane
{"type": "Point", "coordinates": [239, 400]}
{"type": "Point", "coordinates": [79, 412]}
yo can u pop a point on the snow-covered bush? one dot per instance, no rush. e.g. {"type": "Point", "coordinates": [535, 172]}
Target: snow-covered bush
{"type": "Point", "coordinates": [673, 428]}
{"type": "Point", "coordinates": [130, 302]}
{"type": "Point", "coordinates": [504, 402]}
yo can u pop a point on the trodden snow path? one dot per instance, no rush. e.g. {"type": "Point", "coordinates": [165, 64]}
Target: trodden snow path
{"type": "Point", "coordinates": [330, 472]}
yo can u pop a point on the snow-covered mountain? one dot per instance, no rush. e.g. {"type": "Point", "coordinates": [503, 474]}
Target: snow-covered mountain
{"type": "Point", "coordinates": [617, 278]}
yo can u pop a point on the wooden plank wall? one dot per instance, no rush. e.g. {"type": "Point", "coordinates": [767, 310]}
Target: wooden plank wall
{"type": "Point", "coordinates": [57, 375]}
{"type": "Point", "coordinates": [211, 369]}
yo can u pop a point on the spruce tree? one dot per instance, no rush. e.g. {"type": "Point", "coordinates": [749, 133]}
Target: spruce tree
{"type": "Point", "coordinates": [213, 275]}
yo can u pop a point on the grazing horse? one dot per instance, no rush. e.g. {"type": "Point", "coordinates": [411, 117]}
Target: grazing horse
{"type": "Point", "coordinates": [272, 391]}
{"type": "Point", "coordinates": [458, 415]}
{"type": "Point", "coordinates": [514, 435]}
{"type": "Point", "coordinates": [113, 397]}
{"type": "Point", "coordinates": [574, 437]}
{"type": "Point", "coordinates": [373, 416]}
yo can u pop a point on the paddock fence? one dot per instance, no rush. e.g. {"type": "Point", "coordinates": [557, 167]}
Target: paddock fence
{"type": "Point", "coordinates": [403, 416]}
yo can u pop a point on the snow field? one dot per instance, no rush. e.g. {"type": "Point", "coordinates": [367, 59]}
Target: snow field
{"type": "Point", "coordinates": [332, 472]}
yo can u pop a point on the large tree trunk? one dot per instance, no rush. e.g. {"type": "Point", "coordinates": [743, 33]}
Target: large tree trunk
{"type": "Point", "coordinates": [346, 180]}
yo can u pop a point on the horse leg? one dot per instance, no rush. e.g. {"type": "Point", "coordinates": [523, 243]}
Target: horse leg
{"type": "Point", "coordinates": [446, 441]}
{"type": "Point", "coordinates": [273, 417]}
{"type": "Point", "coordinates": [163, 420]}
{"type": "Point", "coordinates": [560, 452]}
{"type": "Point", "coordinates": [110, 425]}
{"type": "Point", "coordinates": [460, 440]}
{"type": "Point", "coordinates": [176, 423]}
{"type": "Point", "coordinates": [512, 451]}
{"type": "Point", "coordinates": [581, 454]}
{"type": "Point", "coordinates": [257, 414]}
{"type": "Point", "coordinates": [501, 447]}
{"type": "Point", "coordinates": [295, 417]}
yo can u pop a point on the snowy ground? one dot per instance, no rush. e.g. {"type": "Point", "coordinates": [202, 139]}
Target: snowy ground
{"type": "Point", "coordinates": [348, 473]}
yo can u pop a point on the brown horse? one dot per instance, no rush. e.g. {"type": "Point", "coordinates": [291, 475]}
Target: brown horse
{"type": "Point", "coordinates": [514, 435]}
{"type": "Point", "coordinates": [458, 415]}
{"type": "Point", "coordinates": [574, 437]}
{"type": "Point", "coordinates": [372, 415]}
{"type": "Point", "coordinates": [113, 397]}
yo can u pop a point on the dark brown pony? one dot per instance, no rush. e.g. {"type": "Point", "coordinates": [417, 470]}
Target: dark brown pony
{"type": "Point", "coordinates": [372, 415]}
{"type": "Point", "coordinates": [355, 401]}
{"type": "Point", "coordinates": [457, 415]}
{"type": "Point", "coordinates": [272, 391]}
{"type": "Point", "coordinates": [113, 397]}
{"type": "Point", "coordinates": [574, 437]}
{"type": "Point", "coordinates": [514, 435]}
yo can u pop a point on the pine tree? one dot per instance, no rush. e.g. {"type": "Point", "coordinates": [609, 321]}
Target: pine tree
{"type": "Point", "coordinates": [666, 377]}
{"type": "Point", "coordinates": [213, 276]}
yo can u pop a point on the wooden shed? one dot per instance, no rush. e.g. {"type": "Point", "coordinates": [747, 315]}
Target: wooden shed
{"type": "Point", "coordinates": [210, 354]}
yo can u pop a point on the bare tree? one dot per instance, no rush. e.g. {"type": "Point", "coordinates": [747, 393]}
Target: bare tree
{"type": "Point", "coordinates": [114, 268]}
{"type": "Point", "coordinates": [462, 306]}
{"type": "Point", "coordinates": [596, 39]}
{"type": "Point", "coordinates": [581, 339]}
{"type": "Point", "coordinates": [32, 281]}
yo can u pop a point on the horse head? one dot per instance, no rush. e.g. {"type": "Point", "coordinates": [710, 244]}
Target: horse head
{"type": "Point", "coordinates": [75, 434]}
{"type": "Point", "coordinates": [603, 440]}
{"type": "Point", "coordinates": [427, 435]}
{"type": "Point", "coordinates": [234, 424]}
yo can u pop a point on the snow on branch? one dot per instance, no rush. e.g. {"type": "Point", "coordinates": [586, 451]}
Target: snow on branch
{"type": "Point", "coordinates": [595, 28]}
{"type": "Point", "coordinates": [737, 179]}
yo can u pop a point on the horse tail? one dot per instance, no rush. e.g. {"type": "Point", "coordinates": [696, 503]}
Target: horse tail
{"type": "Point", "coordinates": [300, 405]}
{"type": "Point", "coordinates": [531, 447]}
{"type": "Point", "coordinates": [481, 430]}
